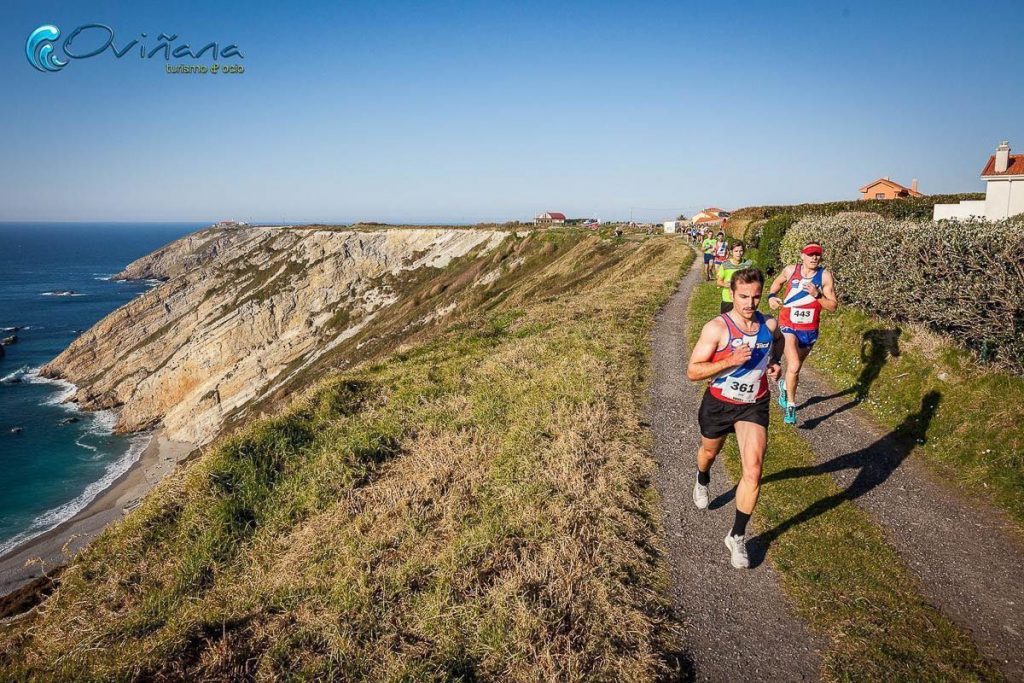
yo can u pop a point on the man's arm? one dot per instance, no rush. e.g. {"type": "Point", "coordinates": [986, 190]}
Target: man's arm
{"type": "Point", "coordinates": [700, 366]}
{"type": "Point", "coordinates": [778, 347]}
{"type": "Point", "coordinates": [829, 300]}
{"type": "Point", "coordinates": [775, 301]}
{"type": "Point", "coordinates": [718, 278]}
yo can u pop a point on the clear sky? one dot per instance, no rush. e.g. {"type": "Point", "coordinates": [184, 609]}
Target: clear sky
{"type": "Point", "coordinates": [467, 111]}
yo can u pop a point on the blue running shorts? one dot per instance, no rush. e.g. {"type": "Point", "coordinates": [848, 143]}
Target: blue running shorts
{"type": "Point", "coordinates": [804, 338]}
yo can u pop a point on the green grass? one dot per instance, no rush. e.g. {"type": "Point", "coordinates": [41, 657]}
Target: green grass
{"type": "Point", "coordinates": [838, 569]}
{"type": "Point", "coordinates": [976, 438]}
{"type": "Point", "coordinates": [477, 505]}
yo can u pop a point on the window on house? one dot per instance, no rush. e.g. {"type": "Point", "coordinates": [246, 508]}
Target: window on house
{"type": "Point", "coordinates": [879, 195]}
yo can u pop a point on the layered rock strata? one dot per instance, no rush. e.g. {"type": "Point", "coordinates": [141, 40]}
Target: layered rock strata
{"type": "Point", "coordinates": [241, 312]}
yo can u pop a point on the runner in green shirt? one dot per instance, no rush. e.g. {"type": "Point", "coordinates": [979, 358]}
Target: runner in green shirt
{"type": "Point", "coordinates": [725, 272]}
{"type": "Point", "coordinates": [708, 245]}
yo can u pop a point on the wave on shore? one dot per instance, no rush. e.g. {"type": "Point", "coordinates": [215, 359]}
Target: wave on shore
{"type": "Point", "coordinates": [102, 424]}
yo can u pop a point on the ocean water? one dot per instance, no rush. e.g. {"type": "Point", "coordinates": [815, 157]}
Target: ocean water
{"type": "Point", "coordinates": [51, 470]}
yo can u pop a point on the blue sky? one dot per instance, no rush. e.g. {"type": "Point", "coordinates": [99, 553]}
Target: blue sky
{"type": "Point", "coordinates": [459, 111]}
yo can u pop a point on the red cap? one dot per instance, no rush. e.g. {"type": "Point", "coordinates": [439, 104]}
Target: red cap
{"type": "Point", "coordinates": [812, 250]}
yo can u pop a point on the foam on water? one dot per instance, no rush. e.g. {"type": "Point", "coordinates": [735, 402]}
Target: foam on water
{"type": "Point", "coordinates": [67, 389]}
{"type": "Point", "coordinates": [17, 374]}
{"type": "Point", "coordinates": [53, 518]}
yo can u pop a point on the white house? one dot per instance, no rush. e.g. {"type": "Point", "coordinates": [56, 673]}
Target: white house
{"type": "Point", "coordinates": [550, 218]}
{"type": "Point", "coordinates": [1004, 190]}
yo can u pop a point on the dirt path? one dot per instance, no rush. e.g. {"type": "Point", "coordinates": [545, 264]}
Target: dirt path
{"type": "Point", "coordinates": [738, 624]}
{"type": "Point", "coordinates": [966, 553]}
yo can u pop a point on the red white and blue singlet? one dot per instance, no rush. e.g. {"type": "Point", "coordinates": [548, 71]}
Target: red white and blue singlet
{"type": "Point", "coordinates": [747, 383]}
{"type": "Point", "coordinates": [801, 311]}
{"type": "Point", "coordinates": [720, 250]}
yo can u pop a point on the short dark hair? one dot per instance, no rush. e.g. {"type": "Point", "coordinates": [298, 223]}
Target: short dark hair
{"type": "Point", "coordinates": [738, 244]}
{"type": "Point", "coordinates": [746, 277]}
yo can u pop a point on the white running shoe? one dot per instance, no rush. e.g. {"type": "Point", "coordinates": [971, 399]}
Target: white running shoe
{"type": "Point", "coordinates": [700, 496]}
{"type": "Point", "coordinates": [737, 545]}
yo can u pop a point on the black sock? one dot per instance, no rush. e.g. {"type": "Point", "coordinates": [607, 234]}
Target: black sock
{"type": "Point", "coordinates": [703, 478]}
{"type": "Point", "coordinates": [739, 527]}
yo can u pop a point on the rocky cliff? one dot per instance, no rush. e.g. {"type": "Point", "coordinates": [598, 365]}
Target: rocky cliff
{"type": "Point", "coordinates": [247, 315]}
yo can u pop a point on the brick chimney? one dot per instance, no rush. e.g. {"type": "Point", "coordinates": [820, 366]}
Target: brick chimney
{"type": "Point", "coordinates": [1002, 157]}
{"type": "Point", "coordinates": [913, 185]}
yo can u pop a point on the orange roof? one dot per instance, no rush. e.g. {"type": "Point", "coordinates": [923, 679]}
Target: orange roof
{"type": "Point", "coordinates": [893, 184]}
{"type": "Point", "coordinates": [707, 219]}
{"type": "Point", "coordinates": [1015, 167]}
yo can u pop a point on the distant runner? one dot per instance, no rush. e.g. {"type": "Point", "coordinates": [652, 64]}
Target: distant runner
{"type": "Point", "coordinates": [808, 289]}
{"type": "Point", "coordinates": [721, 249]}
{"type": "Point", "coordinates": [727, 270]}
{"type": "Point", "coordinates": [708, 246]}
{"type": "Point", "coordinates": [739, 352]}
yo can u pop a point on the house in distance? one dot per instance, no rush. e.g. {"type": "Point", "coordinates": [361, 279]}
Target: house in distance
{"type": "Point", "coordinates": [1004, 190]}
{"type": "Point", "coordinates": [711, 218]}
{"type": "Point", "coordinates": [550, 218]}
{"type": "Point", "coordinates": [884, 188]}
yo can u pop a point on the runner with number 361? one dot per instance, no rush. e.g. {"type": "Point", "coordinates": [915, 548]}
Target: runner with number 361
{"type": "Point", "coordinates": [738, 351]}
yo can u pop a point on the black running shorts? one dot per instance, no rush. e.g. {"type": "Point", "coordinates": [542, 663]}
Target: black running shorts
{"type": "Point", "coordinates": [718, 418]}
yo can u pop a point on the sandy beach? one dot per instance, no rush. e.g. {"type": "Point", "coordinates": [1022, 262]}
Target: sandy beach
{"type": "Point", "coordinates": [58, 545]}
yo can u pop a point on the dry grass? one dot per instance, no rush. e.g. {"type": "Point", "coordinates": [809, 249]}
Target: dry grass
{"type": "Point", "coordinates": [476, 506]}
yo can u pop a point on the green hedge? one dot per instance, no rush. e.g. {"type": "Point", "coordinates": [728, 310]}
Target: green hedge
{"type": "Point", "coordinates": [766, 240]}
{"type": "Point", "coordinates": [910, 208]}
{"type": "Point", "coordinates": [963, 280]}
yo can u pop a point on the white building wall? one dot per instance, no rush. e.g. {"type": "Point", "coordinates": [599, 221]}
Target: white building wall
{"type": "Point", "coordinates": [997, 199]}
{"type": "Point", "coordinates": [1016, 196]}
{"type": "Point", "coordinates": [963, 211]}
{"type": "Point", "coordinates": [1004, 197]}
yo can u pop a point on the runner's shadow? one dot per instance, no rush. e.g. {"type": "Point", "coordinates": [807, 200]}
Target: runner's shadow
{"type": "Point", "coordinates": [876, 347]}
{"type": "Point", "coordinates": [875, 463]}
{"type": "Point", "coordinates": [723, 499]}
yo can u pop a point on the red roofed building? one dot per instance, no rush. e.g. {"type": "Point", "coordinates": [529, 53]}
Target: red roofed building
{"type": "Point", "coordinates": [884, 188]}
{"type": "Point", "coordinates": [550, 218]}
{"type": "Point", "coordinates": [1004, 190]}
{"type": "Point", "coordinates": [1002, 163]}
{"type": "Point", "coordinates": [710, 218]}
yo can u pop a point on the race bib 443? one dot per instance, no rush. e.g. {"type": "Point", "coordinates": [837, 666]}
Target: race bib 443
{"type": "Point", "coordinates": [803, 316]}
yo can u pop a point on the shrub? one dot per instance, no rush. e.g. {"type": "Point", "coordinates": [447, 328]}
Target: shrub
{"type": "Point", "coordinates": [767, 240]}
{"type": "Point", "coordinates": [964, 280]}
{"type": "Point", "coordinates": [910, 208]}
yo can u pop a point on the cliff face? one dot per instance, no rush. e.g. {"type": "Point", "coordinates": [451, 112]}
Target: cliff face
{"type": "Point", "coordinates": [246, 314]}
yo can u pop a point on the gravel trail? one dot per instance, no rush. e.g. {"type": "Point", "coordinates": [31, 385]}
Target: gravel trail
{"type": "Point", "coordinates": [738, 623]}
{"type": "Point", "coordinates": [967, 554]}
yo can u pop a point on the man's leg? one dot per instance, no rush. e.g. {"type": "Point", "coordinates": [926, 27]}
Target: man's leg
{"type": "Point", "coordinates": [706, 454]}
{"type": "Point", "coordinates": [793, 362]}
{"type": "Point", "coordinates": [752, 439]}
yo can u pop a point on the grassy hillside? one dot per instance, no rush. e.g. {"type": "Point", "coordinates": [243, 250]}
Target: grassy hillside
{"type": "Point", "coordinates": [476, 504]}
